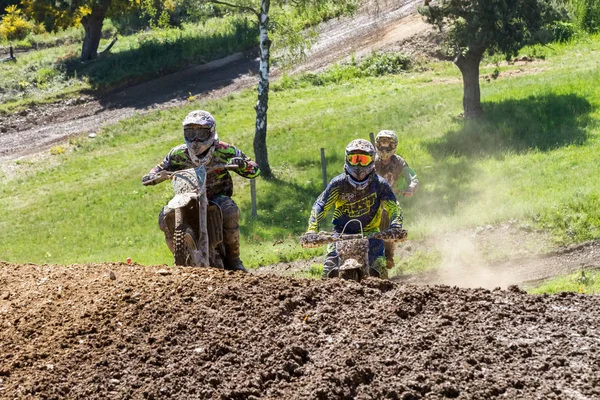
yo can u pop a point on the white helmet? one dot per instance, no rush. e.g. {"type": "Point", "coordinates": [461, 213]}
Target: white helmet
{"type": "Point", "coordinates": [200, 134]}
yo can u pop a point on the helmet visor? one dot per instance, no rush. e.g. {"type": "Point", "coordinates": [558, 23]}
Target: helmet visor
{"type": "Point", "coordinates": [359, 159]}
{"type": "Point", "coordinates": [193, 134]}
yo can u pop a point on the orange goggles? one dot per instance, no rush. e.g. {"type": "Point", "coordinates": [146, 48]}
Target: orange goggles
{"type": "Point", "coordinates": [359, 159]}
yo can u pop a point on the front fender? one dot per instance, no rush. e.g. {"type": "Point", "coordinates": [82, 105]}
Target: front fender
{"type": "Point", "coordinates": [181, 200]}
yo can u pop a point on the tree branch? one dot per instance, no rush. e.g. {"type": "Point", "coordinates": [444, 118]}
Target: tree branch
{"type": "Point", "coordinates": [245, 8]}
{"type": "Point", "coordinates": [107, 49]}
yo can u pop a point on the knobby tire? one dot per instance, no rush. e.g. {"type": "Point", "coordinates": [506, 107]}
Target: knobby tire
{"type": "Point", "coordinates": [183, 239]}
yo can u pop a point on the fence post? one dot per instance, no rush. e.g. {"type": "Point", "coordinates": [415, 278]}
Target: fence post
{"type": "Point", "coordinates": [324, 168]}
{"type": "Point", "coordinates": [253, 196]}
{"type": "Point", "coordinates": [372, 137]}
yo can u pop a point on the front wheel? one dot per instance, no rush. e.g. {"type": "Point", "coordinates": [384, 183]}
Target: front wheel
{"type": "Point", "coordinates": [351, 270]}
{"type": "Point", "coordinates": [350, 275]}
{"type": "Point", "coordinates": [184, 241]}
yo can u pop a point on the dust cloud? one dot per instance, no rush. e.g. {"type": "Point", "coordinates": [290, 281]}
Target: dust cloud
{"type": "Point", "coordinates": [498, 256]}
{"type": "Point", "coordinates": [464, 265]}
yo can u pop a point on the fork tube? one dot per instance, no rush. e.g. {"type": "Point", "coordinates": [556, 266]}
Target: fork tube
{"type": "Point", "coordinates": [203, 231]}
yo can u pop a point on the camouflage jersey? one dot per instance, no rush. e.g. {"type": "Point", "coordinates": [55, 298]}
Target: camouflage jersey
{"type": "Point", "coordinates": [396, 166]}
{"type": "Point", "coordinates": [350, 203]}
{"type": "Point", "coordinates": [218, 182]}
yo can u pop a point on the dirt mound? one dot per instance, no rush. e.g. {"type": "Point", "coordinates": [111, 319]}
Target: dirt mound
{"type": "Point", "coordinates": [132, 332]}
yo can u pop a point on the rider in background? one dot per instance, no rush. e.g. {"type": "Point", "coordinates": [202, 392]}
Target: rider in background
{"type": "Point", "coordinates": [390, 166]}
{"type": "Point", "coordinates": [357, 194]}
{"type": "Point", "coordinates": [202, 147]}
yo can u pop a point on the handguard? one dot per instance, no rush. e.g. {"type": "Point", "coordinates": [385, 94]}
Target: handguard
{"type": "Point", "coordinates": [311, 240]}
{"type": "Point", "coordinates": [391, 235]}
{"type": "Point", "coordinates": [153, 179]}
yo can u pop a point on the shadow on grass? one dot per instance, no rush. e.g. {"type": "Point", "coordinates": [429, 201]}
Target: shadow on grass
{"type": "Point", "coordinates": [156, 57]}
{"type": "Point", "coordinates": [283, 209]}
{"type": "Point", "coordinates": [443, 188]}
{"type": "Point", "coordinates": [541, 123]}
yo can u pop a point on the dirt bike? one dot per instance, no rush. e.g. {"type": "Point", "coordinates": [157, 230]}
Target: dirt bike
{"type": "Point", "coordinates": [196, 223]}
{"type": "Point", "coordinates": [352, 249]}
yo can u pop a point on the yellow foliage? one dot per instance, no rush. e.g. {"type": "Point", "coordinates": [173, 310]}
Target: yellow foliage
{"type": "Point", "coordinates": [43, 12]}
{"type": "Point", "coordinates": [169, 5]}
{"type": "Point", "coordinates": [39, 28]}
{"type": "Point", "coordinates": [13, 25]}
{"type": "Point", "coordinates": [85, 10]}
{"type": "Point", "coordinates": [57, 150]}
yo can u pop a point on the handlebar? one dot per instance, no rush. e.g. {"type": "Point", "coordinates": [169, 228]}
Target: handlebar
{"type": "Point", "coordinates": [164, 175]}
{"type": "Point", "coordinates": [228, 167]}
{"type": "Point", "coordinates": [310, 240]}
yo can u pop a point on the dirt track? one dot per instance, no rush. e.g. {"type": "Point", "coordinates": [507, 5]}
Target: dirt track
{"type": "Point", "coordinates": [39, 127]}
{"type": "Point", "coordinates": [73, 332]}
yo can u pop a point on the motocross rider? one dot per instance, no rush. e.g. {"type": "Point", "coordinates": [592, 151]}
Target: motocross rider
{"type": "Point", "coordinates": [390, 165]}
{"type": "Point", "coordinates": [202, 147]}
{"type": "Point", "coordinates": [357, 194]}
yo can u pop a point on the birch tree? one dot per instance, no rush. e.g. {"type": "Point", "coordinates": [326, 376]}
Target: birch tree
{"type": "Point", "coordinates": [261, 10]}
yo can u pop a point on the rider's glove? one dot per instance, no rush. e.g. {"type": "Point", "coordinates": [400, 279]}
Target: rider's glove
{"type": "Point", "coordinates": [310, 235]}
{"type": "Point", "coordinates": [149, 179]}
{"type": "Point", "coordinates": [239, 161]}
{"type": "Point", "coordinates": [410, 192]}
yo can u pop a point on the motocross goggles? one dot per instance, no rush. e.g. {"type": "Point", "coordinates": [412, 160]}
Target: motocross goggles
{"type": "Point", "coordinates": [386, 145]}
{"type": "Point", "coordinates": [359, 159]}
{"type": "Point", "coordinates": [193, 133]}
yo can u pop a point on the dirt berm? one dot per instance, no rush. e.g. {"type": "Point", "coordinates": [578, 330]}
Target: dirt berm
{"type": "Point", "coordinates": [118, 331]}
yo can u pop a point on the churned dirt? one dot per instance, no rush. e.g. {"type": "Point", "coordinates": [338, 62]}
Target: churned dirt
{"type": "Point", "coordinates": [123, 331]}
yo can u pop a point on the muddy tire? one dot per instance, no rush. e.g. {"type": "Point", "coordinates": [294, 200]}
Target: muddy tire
{"type": "Point", "coordinates": [184, 241]}
{"type": "Point", "coordinates": [350, 275]}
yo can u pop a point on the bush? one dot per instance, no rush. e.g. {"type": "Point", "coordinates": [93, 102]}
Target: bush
{"type": "Point", "coordinates": [385, 64]}
{"type": "Point", "coordinates": [562, 31]}
{"type": "Point", "coordinates": [376, 64]}
{"type": "Point", "coordinates": [587, 14]}
{"type": "Point", "coordinates": [15, 27]}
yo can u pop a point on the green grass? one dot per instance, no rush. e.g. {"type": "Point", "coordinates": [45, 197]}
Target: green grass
{"type": "Point", "coordinates": [418, 262]}
{"type": "Point", "coordinates": [48, 74]}
{"type": "Point", "coordinates": [533, 157]}
{"type": "Point", "coordinates": [587, 282]}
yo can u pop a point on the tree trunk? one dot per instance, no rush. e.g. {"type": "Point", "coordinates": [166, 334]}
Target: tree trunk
{"type": "Point", "coordinates": [468, 64]}
{"type": "Point", "coordinates": [260, 137]}
{"type": "Point", "coordinates": [92, 24]}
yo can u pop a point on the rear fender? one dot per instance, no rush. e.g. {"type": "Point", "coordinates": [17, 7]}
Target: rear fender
{"type": "Point", "coordinates": [182, 200]}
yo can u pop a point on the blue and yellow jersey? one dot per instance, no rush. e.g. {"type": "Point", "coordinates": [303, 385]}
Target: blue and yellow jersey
{"type": "Point", "coordinates": [218, 182]}
{"type": "Point", "coordinates": [362, 205]}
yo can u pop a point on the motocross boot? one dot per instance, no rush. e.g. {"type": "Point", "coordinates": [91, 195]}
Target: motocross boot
{"type": "Point", "coordinates": [231, 239]}
{"type": "Point", "coordinates": [231, 234]}
{"type": "Point", "coordinates": [331, 266]}
{"type": "Point", "coordinates": [389, 254]}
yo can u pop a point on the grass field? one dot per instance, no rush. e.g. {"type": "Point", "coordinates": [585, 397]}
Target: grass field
{"type": "Point", "coordinates": [533, 157]}
{"type": "Point", "coordinates": [587, 282]}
